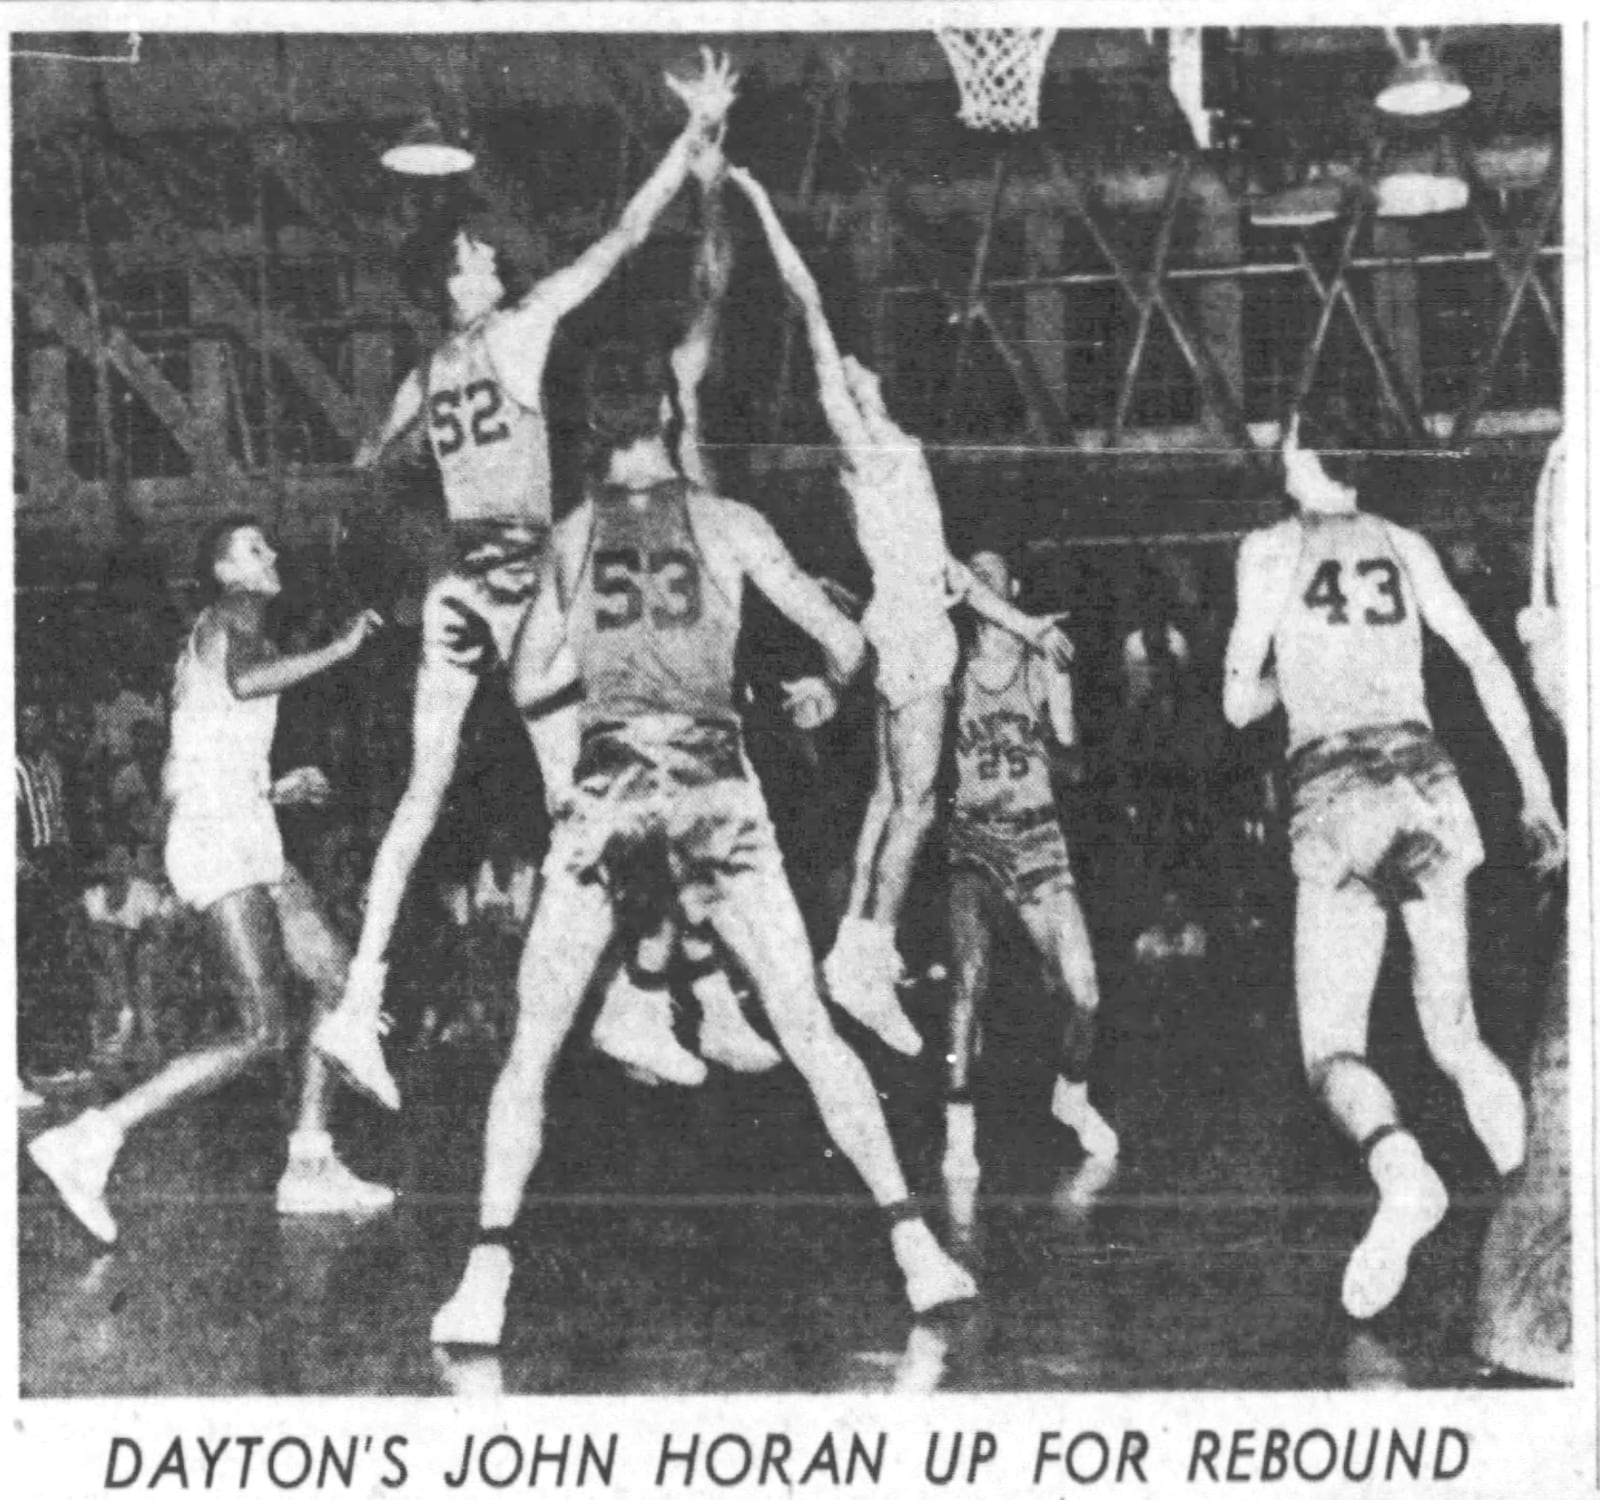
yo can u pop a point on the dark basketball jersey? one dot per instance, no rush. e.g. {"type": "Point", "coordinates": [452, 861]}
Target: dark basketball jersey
{"type": "Point", "coordinates": [652, 631]}
{"type": "Point", "coordinates": [1349, 647]}
{"type": "Point", "coordinates": [493, 452]}
{"type": "Point", "coordinates": [1002, 755]}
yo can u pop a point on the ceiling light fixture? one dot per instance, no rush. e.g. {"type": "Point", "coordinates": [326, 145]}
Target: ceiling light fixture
{"type": "Point", "coordinates": [1318, 199]}
{"type": "Point", "coordinates": [425, 150]}
{"type": "Point", "coordinates": [1423, 182]}
{"type": "Point", "coordinates": [1421, 84]}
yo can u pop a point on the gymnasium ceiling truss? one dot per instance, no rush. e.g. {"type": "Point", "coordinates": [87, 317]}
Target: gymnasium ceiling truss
{"type": "Point", "coordinates": [154, 183]}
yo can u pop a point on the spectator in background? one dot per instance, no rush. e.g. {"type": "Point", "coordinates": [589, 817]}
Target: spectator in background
{"type": "Point", "coordinates": [45, 866]}
{"type": "Point", "coordinates": [119, 704]}
{"type": "Point", "coordinates": [134, 808]}
{"type": "Point", "coordinates": [1151, 749]}
{"type": "Point", "coordinates": [129, 914]}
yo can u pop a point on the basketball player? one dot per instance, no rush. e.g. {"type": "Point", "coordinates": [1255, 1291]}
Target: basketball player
{"type": "Point", "coordinates": [482, 396]}
{"type": "Point", "coordinates": [1008, 860]}
{"type": "Point", "coordinates": [665, 820]}
{"type": "Point", "coordinates": [635, 1025]}
{"type": "Point", "coordinates": [225, 859]}
{"type": "Point", "coordinates": [1338, 599]}
{"type": "Point", "coordinates": [1524, 1313]}
{"type": "Point", "coordinates": [915, 582]}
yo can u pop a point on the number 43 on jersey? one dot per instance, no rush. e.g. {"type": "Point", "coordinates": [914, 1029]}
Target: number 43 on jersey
{"type": "Point", "coordinates": [1376, 585]}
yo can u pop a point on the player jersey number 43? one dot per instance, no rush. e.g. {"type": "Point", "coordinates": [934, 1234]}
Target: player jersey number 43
{"type": "Point", "coordinates": [1349, 648]}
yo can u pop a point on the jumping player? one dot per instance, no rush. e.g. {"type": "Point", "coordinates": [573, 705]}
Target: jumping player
{"type": "Point", "coordinates": [1338, 599]}
{"type": "Point", "coordinates": [224, 858]}
{"type": "Point", "coordinates": [482, 396]}
{"type": "Point", "coordinates": [665, 819]}
{"type": "Point", "coordinates": [915, 582]}
{"type": "Point", "coordinates": [1008, 860]}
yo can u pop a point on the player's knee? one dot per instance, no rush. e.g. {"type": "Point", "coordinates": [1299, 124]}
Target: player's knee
{"type": "Point", "coordinates": [1458, 1049]}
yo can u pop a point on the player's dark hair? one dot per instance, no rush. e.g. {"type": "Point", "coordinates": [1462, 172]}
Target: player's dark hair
{"type": "Point", "coordinates": [215, 543]}
{"type": "Point", "coordinates": [428, 257]}
{"type": "Point", "coordinates": [623, 386]}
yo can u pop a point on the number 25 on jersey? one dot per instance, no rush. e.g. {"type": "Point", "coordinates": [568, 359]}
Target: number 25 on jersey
{"type": "Point", "coordinates": [1376, 587]}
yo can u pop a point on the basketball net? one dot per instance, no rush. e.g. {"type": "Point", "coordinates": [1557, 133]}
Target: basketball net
{"type": "Point", "coordinates": [999, 73]}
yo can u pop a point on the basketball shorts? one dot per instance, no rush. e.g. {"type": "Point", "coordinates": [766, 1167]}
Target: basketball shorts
{"type": "Point", "coordinates": [665, 814]}
{"type": "Point", "coordinates": [482, 601]}
{"type": "Point", "coordinates": [219, 844]}
{"type": "Point", "coordinates": [1380, 807]}
{"type": "Point", "coordinates": [916, 651]}
{"type": "Point", "coordinates": [1025, 857]}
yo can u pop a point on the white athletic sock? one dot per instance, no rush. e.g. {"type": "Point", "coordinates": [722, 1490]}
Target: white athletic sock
{"type": "Point", "coordinates": [961, 1132]}
{"type": "Point", "coordinates": [1071, 1101]}
{"type": "Point", "coordinates": [310, 1146]}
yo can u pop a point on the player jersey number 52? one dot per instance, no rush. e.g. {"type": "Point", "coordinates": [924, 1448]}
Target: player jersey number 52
{"type": "Point", "coordinates": [479, 403]}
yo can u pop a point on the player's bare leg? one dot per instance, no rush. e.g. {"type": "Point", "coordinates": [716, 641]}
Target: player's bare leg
{"type": "Point", "coordinates": [1061, 935]}
{"type": "Point", "coordinates": [971, 941]}
{"type": "Point", "coordinates": [569, 935]}
{"type": "Point", "coordinates": [316, 1181]}
{"type": "Point", "coordinates": [864, 966]}
{"type": "Point", "coordinates": [247, 939]}
{"type": "Point", "coordinates": [349, 1034]}
{"type": "Point", "coordinates": [1339, 941]}
{"type": "Point", "coordinates": [1437, 926]}
{"type": "Point", "coordinates": [761, 925]}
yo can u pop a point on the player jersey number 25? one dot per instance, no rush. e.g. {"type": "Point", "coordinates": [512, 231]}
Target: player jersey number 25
{"type": "Point", "coordinates": [628, 582]}
{"type": "Point", "coordinates": [463, 414]}
{"type": "Point", "coordinates": [1374, 594]}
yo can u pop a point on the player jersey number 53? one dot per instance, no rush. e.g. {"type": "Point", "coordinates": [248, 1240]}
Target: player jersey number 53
{"type": "Point", "coordinates": [628, 580]}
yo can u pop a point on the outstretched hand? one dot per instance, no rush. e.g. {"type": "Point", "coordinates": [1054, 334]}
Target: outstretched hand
{"type": "Point", "coordinates": [1055, 643]}
{"type": "Point", "coordinates": [810, 702]}
{"type": "Point", "coordinates": [1547, 840]}
{"type": "Point", "coordinates": [709, 96]}
{"type": "Point", "coordinates": [305, 786]}
{"type": "Point", "coordinates": [354, 635]}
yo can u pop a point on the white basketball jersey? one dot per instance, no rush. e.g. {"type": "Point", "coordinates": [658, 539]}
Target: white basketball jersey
{"type": "Point", "coordinates": [493, 452]}
{"type": "Point", "coordinates": [1349, 646]}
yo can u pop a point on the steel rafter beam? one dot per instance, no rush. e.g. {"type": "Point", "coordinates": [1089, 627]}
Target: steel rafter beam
{"type": "Point", "coordinates": [1500, 239]}
{"type": "Point", "coordinates": [1391, 382]}
{"type": "Point", "coordinates": [1216, 389]}
{"type": "Point", "coordinates": [975, 281]}
{"type": "Point", "coordinates": [153, 209]}
{"type": "Point", "coordinates": [1530, 242]}
{"type": "Point", "coordinates": [290, 157]}
{"type": "Point", "coordinates": [1331, 295]}
{"type": "Point", "coordinates": [1147, 303]}
{"type": "Point", "coordinates": [1045, 415]}
{"type": "Point", "coordinates": [57, 311]}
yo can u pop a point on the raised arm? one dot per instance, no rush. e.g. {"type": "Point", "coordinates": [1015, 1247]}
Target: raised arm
{"type": "Point", "coordinates": [838, 405]}
{"type": "Point", "coordinates": [403, 413]}
{"type": "Point", "coordinates": [768, 564]}
{"type": "Point", "coordinates": [713, 270]}
{"type": "Point", "coordinates": [1039, 631]}
{"type": "Point", "coordinates": [1264, 579]}
{"type": "Point", "coordinates": [708, 98]}
{"type": "Point", "coordinates": [1446, 613]}
{"type": "Point", "coordinates": [254, 671]}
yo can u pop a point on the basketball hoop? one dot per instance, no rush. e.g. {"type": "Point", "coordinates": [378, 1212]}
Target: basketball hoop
{"type": "Point", "coordinates": [999, 73]}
